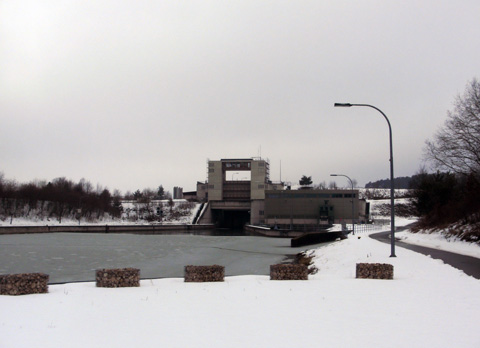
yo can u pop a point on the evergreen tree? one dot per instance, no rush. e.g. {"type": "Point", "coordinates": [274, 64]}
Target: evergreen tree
{"type": "Point", "coordinates": [306, 180]}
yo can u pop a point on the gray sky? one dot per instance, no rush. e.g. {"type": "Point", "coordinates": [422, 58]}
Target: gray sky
{"type": "Point", "coordinates": [134, 94]}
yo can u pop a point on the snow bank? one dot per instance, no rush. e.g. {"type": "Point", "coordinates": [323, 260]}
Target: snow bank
{"type": "Point", "coordinates": [440, 240]}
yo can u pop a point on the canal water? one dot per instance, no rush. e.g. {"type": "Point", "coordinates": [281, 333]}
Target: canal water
{"type": "Point", "coordinates": [69, 257]}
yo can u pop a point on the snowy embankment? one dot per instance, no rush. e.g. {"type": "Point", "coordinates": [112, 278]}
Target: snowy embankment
{"type": "Point", "coordinates": [431, 239]}
{"type": "Point", "coordinates": [439, 240]}
{"type": "Point", "coordinates": [428, 304]}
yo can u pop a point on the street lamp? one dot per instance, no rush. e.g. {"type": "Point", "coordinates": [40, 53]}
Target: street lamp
{"type": "Point", "coordinates": [353, 214]}
{"type": "Point", "coordinates": [392, 185]}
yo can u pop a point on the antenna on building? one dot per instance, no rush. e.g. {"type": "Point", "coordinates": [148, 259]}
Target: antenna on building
{"type": "Point", "coordinates": [280, 170]}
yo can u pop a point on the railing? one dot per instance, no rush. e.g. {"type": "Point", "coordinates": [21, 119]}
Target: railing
{"type": "Point", "coordinates": [363, 228]}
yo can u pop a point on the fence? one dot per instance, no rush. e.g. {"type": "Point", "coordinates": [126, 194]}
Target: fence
{"type": "Point", "coordinates": [377, 226]}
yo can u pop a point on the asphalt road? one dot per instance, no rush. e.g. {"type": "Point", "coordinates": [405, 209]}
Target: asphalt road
{"type": "Point", "coordinates": [469, 265]}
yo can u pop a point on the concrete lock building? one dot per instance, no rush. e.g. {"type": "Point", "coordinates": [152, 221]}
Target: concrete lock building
{"type": "Point", "coordinates": [239, 192]}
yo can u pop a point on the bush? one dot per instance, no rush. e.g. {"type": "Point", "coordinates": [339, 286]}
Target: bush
{"type": "Point", "coordinates": [448, 201]}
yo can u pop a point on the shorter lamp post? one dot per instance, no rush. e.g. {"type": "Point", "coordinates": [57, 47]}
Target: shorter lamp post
{"type": "Point", "coordinates": [353, 209]}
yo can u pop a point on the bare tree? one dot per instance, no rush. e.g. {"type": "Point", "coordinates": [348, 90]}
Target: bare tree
{"type": "Point", "coordinates": [86, 185]}
{"type": "Point", "coordinates": [321, 186]}
{"type": "Point", "coordinates": [456, 146]}
{"type": "Point", "coordinates": [332, 185]}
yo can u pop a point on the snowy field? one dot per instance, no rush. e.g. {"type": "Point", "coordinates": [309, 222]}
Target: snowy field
{"type": "Point", "coordinates": [428, 304]}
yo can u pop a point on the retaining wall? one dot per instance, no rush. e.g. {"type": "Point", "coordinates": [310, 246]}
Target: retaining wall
{"type": "Point", "coordinates": [316, 238]}
{"type": "Point", "coordinates": [142, 229]}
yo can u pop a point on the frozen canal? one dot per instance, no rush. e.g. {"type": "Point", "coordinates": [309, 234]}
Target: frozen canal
{"type": "Point", "coordinates": [70, 257]}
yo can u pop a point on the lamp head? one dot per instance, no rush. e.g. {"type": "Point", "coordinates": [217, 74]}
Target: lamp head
{"type": "Point", "coordinates": [342, 105]}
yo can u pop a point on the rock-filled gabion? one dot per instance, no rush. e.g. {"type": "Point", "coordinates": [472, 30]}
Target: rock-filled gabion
{"type": "Point", "coordinates": [23, 284]}
{"type": "Point", "coordinates": [214, 273]}
{"type": "Point", "coordinates": [374, 271]}
{"type": "Point", "coordinates": [118, 277]}
{"type": "Point", "coordinates": [288, 272]}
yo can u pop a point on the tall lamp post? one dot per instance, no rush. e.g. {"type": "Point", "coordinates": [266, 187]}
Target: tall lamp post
{"type": "Point", "coordinates": [353, 210]}
{"type": "Point", "coordinates": [392, 185]}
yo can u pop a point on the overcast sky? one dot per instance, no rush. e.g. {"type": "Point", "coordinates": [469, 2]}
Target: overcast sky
{"type": "Point", "coordinates": [134, 94]}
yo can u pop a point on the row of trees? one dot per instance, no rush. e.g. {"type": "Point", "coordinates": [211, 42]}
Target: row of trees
{"type": "Point", "coordinates": [402, 182]}
{"type": "Point", "coordinates": [58, 198]}
{"type": "Point", "coordinates": [62, 197]}
{"type": "Point", "coordinates": [306, 181]}
{"type": "Point", "coordinates": [147, 195]}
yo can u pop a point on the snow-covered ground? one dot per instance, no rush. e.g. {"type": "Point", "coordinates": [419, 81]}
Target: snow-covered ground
{"type": "Point", "coordinates": [428, 304]}
{"type": "Point", "coordinates": [182, 212]}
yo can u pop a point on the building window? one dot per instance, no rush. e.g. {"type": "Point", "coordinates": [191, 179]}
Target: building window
{"type": "Point", "coordinates": [211, 170]}
{"type": "Point", "coordinates": [261, 212]}
{"type": "Point", "coordinates": [261, 186]}
{"type": "Point", "coordinates": [211, 186]}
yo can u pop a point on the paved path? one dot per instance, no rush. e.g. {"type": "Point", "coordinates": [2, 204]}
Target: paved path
{"type": "Point", "coordinates": [469, 265]}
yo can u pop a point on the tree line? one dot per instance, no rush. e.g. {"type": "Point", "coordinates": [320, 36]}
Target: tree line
{"type": "Point", "coordinates": [449, 196]}
{"type": "Point", "coordinates": [62, 197]}
{"type": "Point", "coordinates": [401, 182]}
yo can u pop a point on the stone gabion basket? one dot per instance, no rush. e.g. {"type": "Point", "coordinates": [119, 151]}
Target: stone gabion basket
{"type": "Point", "coordinates": [118, 277]}
{"type": "Point", "coordinates": [23, 284]}
{"type": "Point", "coordinates": [374, 271]}
{"type": "Point", "coordinates": [214, 273]}
{"type": "Point", "coordinates": [288, 272]}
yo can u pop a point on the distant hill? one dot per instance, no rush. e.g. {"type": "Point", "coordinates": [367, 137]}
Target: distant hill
{"type": "Point", "coordinates": [400, 183]}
